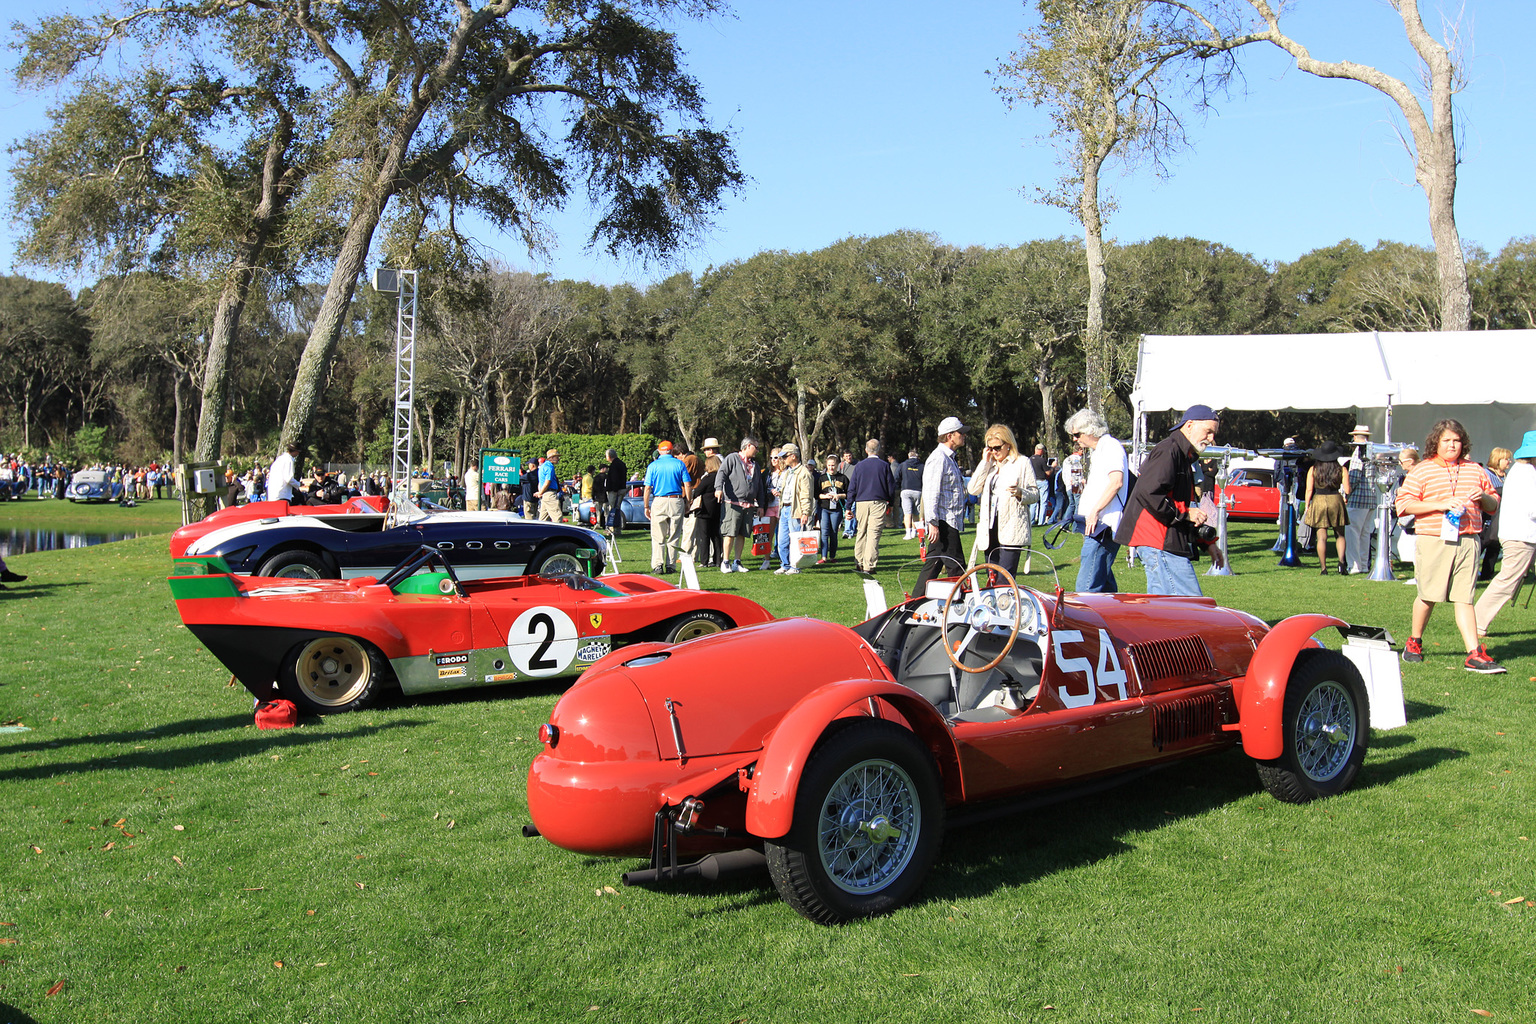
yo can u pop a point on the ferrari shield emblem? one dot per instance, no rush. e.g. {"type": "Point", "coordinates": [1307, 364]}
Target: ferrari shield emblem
{"type": "Point", "coordinates": [596, 618]}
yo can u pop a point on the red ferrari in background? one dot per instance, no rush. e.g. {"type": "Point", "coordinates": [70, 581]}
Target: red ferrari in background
{"type": "Point", "coordinates": [843, 760]}
{"type": "Point", "coordinates": [1254, 496]}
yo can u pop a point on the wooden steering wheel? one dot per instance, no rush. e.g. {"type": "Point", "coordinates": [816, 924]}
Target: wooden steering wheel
{"type": "Point", "coordinates": [975, 627]}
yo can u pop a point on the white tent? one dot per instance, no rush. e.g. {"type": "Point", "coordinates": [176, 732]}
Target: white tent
{"type": "Point", "coordinates": [1398, 382]}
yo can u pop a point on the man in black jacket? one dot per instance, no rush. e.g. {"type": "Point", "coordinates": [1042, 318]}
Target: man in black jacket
{"type": "Point", "coordinates": [1161, 517]}
{"type": "Point", "coordinates": [612, 482]}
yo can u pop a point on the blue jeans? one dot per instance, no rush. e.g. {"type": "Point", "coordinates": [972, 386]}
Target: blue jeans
{"type": "Point", "coordinates": [783, 539]}
{"type": "Point", "coordinates": [1096, 573]}
{"type": "Point", "coordinates": [831, 525]}
{"type": "Point", "coordinates": [1169, 574]}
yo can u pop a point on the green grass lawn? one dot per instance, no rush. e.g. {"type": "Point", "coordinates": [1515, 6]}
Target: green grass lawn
{"type": "Point", "coordinates": [161, 859]}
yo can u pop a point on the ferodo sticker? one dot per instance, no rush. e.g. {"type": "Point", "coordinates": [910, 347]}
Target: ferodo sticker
{"type": "Point", "coordinates": [281, 591]}
{"type": "Point", "coordinates": [451, 666]}
{"type": "Point", "coordinates": [542, 642]}
{"type": "Point", "coordinates": [593, 651]}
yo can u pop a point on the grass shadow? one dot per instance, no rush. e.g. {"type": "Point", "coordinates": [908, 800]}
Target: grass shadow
{"type": "Point", "coordinates": [186, 728]}
{"type": "Point", "coordinates": [205, 754]}
{"type": "Point", "coordinates": [1018, 849]}
{"type": "Point", "coordinates": [18, 591]}
{"type": "Point", "coordinates": [1381, 773]}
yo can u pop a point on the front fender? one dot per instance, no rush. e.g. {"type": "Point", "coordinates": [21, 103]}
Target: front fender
{"type": "Point", "coordinates": [776, 780]}
{"type": "Point", "coordinates": [1261, 705]}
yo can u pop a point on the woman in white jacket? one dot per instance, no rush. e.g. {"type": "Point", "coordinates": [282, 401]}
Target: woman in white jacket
{"type": "Point", "coordinates": [1006, 485]}
{"type": "Point", "coordinates": [1517, 533]}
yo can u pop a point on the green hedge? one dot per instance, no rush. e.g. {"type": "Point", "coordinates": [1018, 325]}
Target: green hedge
{"type": "Point", "coordinates": [578, 451]}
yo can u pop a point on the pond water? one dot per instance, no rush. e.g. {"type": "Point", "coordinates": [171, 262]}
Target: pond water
{"type": "Point", "coordinates": [21, 542]}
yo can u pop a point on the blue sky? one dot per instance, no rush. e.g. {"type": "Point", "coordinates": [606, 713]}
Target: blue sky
{"type": "Point", "coordinates": [855, 117]}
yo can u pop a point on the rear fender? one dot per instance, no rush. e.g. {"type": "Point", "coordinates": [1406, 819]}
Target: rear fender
{"type": "Point", "coordinates": [1262, 703]}
{"type": "Point", "coordinates": [775, 781]}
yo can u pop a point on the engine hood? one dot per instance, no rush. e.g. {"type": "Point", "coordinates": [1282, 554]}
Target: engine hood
{"type": "Point", "coordinates": [727, 691]}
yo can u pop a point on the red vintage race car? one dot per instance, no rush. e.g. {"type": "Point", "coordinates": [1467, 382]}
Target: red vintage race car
{"type": "Point", "coordinates": [842, 763]}
{"type": "Point", "coordinates": [332, 645]}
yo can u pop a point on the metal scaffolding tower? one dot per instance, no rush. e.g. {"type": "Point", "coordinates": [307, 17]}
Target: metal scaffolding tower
{"type": "Point", "coordinates": [402, 284]}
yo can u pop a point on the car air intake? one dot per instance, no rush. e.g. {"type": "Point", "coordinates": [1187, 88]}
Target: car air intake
{"type": "Point", "coordinates": [1180, 657]}
{"type": "Point", "coordinates": [1190, 720]}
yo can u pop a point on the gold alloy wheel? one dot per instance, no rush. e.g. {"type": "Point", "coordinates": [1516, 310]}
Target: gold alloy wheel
{"type": "Point", "coordinates": [333, 670]}
{"type": "Point", "coordinates": [697, 628]}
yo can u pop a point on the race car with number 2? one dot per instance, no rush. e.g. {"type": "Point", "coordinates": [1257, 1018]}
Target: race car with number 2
{"type": "Point", "coordinates": [840, 766]}
{"type": "Point", "coordinates": [334, 645]}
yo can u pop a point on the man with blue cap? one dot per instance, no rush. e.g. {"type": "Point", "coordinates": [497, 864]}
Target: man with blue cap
{"type": "Point", "coordinates": [1161, 517]}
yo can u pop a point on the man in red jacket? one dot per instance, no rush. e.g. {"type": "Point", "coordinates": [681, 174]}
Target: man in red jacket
{"type": "Point", "coordinates": [1161, 518]}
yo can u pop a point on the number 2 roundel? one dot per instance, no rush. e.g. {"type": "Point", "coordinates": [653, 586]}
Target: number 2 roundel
{"type": "Point", "coordinates": [542, 642]}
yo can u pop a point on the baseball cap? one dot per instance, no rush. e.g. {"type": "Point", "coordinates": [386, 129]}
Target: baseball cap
{"type": "Point", "coordinates": [664, 446]}
{"type": "Point", "coordinates": [950, 424]}
{"type": "Point", "coordinates": [786, 449]}
{"type": "Point", "coordinates": [1197, 412]}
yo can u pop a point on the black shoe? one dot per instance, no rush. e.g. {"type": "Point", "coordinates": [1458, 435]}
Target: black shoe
{"type": "Point", "coordinates": [11, 577]}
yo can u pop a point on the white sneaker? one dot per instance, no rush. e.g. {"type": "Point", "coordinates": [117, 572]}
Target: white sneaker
{"type": "Point", "coordinates": [781, 570]}
{"type": "Point", "coordinates": [737, 566]}
{"type": "Point", "coordinates": [726, 567]}
{"type": "Point", "coordinates": [791, 571]}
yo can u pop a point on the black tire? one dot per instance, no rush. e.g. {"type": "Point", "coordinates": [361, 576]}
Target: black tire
{"type": "Point", "coordinates": [869, 816]}
{"type": "Point", "coordinates": [1326, 729]}
{"type": "Point", "coordinates": [304, 565]}
{"type": "Point", "coordinates": [696, 624]}
{"type": "Point", "coordinates": [332, 674]}
{"type": "Point", "coordinates": [560, 557]}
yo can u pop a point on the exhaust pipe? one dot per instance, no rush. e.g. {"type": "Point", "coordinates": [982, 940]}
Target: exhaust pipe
{"type": "Point", "coordinates": [531, 831]}
{"type": "Point", "coordinates": [711, 868]}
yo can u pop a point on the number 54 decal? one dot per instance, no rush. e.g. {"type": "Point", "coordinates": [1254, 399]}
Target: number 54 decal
{"type": "Point", "coordinates": [1108, 672]}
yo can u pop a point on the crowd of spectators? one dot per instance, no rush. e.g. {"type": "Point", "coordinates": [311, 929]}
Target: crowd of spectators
{"type": "Point", "coordinates": [50, 478]}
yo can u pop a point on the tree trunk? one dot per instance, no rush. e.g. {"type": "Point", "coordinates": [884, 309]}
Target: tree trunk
{"type": "Point", "coordinates": [1095, 347]}
{"type": "Point", "coordinates": [176, 429]}
{"type": "Point", "coordinates": [315, 363]}
{"type": "Point", "coordinates": [277, 182]}
{"type": "Point", "coordinates": [1434, 133]}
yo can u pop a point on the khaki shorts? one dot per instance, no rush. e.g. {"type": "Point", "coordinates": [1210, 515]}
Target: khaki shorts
{"type": "Point", "coordinates": [1446, 570]}
{"type": "Point", "coordinates": [737, 522]}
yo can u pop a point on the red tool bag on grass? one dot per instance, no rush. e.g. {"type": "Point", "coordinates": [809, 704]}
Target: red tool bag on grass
{"type": "Point", "coordinates": [277, 714]}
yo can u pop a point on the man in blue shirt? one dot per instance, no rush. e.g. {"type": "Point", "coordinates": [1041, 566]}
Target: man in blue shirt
{"type": "Point", "coordinates": [549, 488]}
{"type": "Point", "coordinates": [667, 493]}
{"type": "Point", "coordinates": [870, 488]}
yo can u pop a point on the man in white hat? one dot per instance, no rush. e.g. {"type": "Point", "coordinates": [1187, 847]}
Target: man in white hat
{"type": "Point", "coordinates": [943, 505]}
{"type": "Point", "coordinates": [1361, 502]}
{"type": "Point", "coordinates": [710, 450]}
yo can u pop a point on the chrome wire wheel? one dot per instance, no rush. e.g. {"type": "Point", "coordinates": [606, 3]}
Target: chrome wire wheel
{"type": "Point", "coordinates": [1325, 731]}
{"type": "Point", "coordinates": [868, 827]}
{"type": "Point", "coordinates": [333, 671]}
